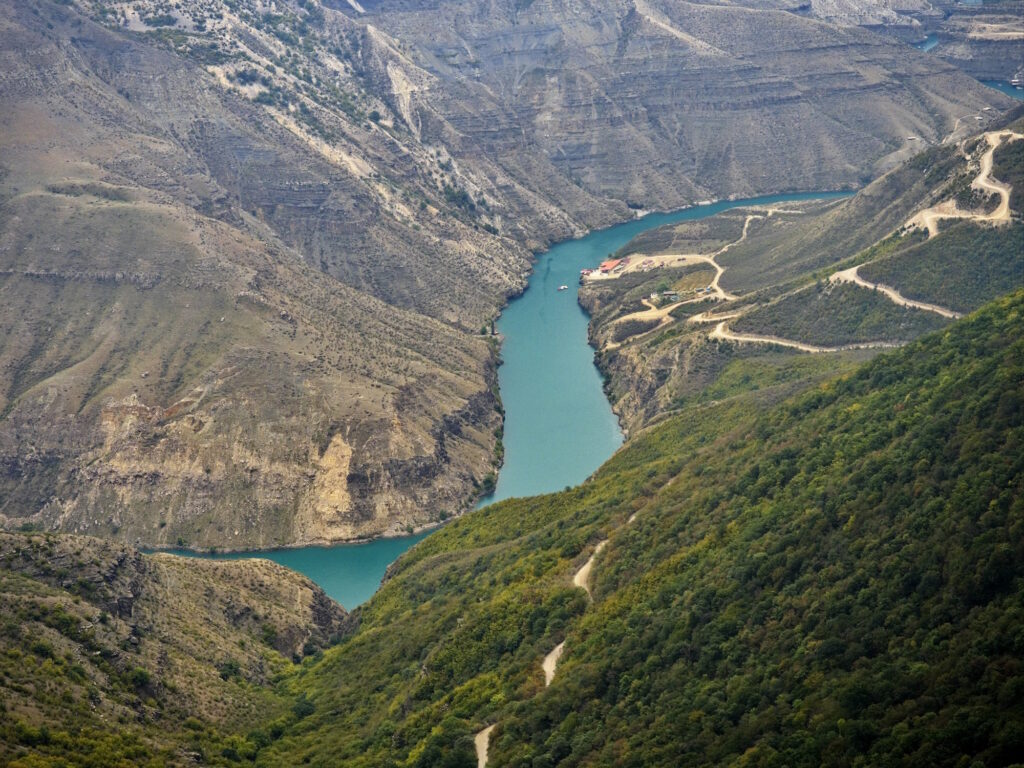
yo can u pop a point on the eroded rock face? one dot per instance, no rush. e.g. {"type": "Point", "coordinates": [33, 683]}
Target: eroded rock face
{"type": "Point", "coordinates": [241, 280]}
{"type": "Point", "coordinates": [208, 330]}
{"type": "Point", "coordinates": [663, 103]}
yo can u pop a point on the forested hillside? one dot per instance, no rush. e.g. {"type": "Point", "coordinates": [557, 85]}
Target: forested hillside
{"type": "Point", "coordinates": [112, 659]}
{"type": "Point", "coordinates": [835, 581]}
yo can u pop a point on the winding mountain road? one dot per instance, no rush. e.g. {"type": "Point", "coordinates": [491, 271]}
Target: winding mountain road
{"type": "Point", "coordinates": [663, 314]}
{"type": "Point", "coordinates": [580, 579]}
{"type": "Point", "coordinates": [850, 276]}
{"type": "Point", "coordinates": [721, 332]}
{"type": "Point", "coordinates": [929, 218]}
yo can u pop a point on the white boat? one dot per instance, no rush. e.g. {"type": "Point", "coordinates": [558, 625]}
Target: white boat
{"type": "Point", "coordinates": [563, 287]}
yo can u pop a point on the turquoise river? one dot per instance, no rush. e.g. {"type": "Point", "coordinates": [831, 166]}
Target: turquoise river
{"type": "Point", "coordinates": [559, 426]}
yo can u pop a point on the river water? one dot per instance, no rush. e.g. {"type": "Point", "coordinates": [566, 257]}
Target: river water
{"type": "Point", "coordinates": [1007, 88]}
{"type": "Point", "coordinates": [928, 43]}
{"type": "Point", "coordinates": [559, 427]}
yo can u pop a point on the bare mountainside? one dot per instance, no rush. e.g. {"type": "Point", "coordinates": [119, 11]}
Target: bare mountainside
{"type": "Point", "coordinates": [665, 103]}
{"type": "Point", "coordinates": [173, 367]}
{"type": "Point", "coordinates": [247, 247]}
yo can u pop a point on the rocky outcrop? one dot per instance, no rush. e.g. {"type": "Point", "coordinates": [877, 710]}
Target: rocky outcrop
{"type": "Point", "coordinates": [141, 589]}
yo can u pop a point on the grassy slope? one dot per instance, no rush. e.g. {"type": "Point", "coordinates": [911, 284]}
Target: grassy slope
{"type": "Point", "coordinates": [836, 577]}
{"type": "Point", "coordinates": [775, 268]}
{"type": "Point", "coordinates": [779, 252]}
{"type": "Point", "coordinates": [964, 267]}
{"type": "Point", "coordinates": [834, 315]}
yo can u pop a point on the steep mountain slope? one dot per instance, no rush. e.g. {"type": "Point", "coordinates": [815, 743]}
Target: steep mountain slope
{"type": "Point", "coordinates": [113, 658]}
{"type": "Point", "coordinates": [664, 103]}
{"type": "Point", "coordinates": [833, 579]}
{"type": "Point", "coordinates": [172, 368]}
{"type": "Point", "coordinates": [985, 40]}
{"type": "Point", "coordinates": [934, 238]}
{"type": "Point", "coordinates": [247, 247]}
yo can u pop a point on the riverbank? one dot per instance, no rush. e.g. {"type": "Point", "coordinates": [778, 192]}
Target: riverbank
{"type": "Point", "coordinates": [559, 426]}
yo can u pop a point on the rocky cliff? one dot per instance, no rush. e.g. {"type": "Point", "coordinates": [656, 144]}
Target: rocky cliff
{"type": "Point", "coordinates": [246, 249]}
{"type": "Point", "coordinates": [664, 103]}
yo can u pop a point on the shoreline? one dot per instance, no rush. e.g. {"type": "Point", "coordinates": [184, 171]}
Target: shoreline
{"type": "Point", "coordinates": [314, 544]}
{"type": "Point", "coordinates": [475, 504]}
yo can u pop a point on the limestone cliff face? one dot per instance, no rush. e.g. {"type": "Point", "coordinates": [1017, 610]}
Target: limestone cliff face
{"type": "Point", "coordinates": [663, 103]}
{"type": "Point", "coordinates": [246, 250]}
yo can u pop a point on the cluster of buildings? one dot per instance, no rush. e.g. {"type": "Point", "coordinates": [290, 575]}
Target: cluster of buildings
{"type": "Point", "coordinates": [606, 267]}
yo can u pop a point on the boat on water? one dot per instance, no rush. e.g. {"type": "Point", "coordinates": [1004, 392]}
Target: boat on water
{"type": "Point", "coordinates": [563, 287]}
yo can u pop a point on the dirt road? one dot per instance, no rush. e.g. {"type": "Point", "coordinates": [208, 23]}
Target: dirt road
{"type": "Point", "coordinates": [930, 217]}
{"type": "Point", "coordinates": [721, 332]}
{"type": "Point", "coordinates": [850, 276]}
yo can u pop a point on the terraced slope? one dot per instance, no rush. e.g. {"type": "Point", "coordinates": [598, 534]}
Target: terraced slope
{"type": "Point", "coordinates": [773, 101]}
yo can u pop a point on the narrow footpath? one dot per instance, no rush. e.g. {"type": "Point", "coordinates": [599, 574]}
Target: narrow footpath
{"type": "Point", "coordinates": [581, 579]}
{"type": "Point", "coordinates": [481, 741]}
{"type": "Point", "coordinates": [549, 664]}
